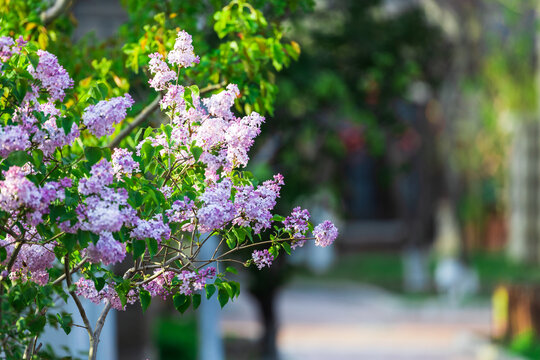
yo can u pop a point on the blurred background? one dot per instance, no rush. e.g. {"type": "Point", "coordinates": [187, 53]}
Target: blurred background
{"type": "Point", "coordinates": [414, 125]}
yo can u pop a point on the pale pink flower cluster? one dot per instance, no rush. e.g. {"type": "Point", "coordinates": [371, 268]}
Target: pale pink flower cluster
{"type": "Point", "coordinates": [54, 78]}
{"type": "Point", "coordinates": [162, 74]}
{"type": "Point", "coordinates": [101, 118]}
{"type": "Point", "coordinates": [123, 163]}
{"type": "Point", "coordinates": [183, 54]}
{"type": "Point", "coordinates": [262, 258]}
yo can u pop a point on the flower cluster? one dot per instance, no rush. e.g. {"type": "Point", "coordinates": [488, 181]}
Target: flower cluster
{"type": "Point", "coordinates": [17, 192]}
{"type": "Point", "coordinates": [325, 234]}
{"type": "Point", "coordinates": [107, 250]}
{"type": "Point", "coordinates": [194, 281]}
{"type": "Point", "coordinates": [297, 225]}
{"type": "Point", "coordinates": [87, 289]}
{"type": "Point", "coordinates": [101, 118]}
{"type": "Point", "coordinates": [123, 163]}
{"type": "Point", "coordinates": [54, 78]}
{"type": "Point", "coordinates": [262, 258]}
{"type": "Point", "coordinates": [183, 54]}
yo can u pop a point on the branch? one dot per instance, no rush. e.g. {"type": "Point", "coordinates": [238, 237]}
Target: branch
{"type": "Point", "coordinates": [136, 122]}
{"type": "Point", "coordinates": [76, 299]}
{"type": "Point", "coordinates": [54, 11]}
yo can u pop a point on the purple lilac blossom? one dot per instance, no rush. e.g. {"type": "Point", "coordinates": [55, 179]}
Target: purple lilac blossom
{"type": "Point", "coordinates": [262, 258]}
{"type": "Point", "coordinates": [253, 207]}
{"type": "Point", "coordinates": [123, 163]}
{"type": "Point", "coordinates": [220, 104]}
{"type": "Point", "coordinates": [107, 250]}
{"type": "Point", "coordinates": [160, 286]}
{"type": "Point", "coordinates": [102, 175]}
{"type": "Point", "coordinates": [217, 209]}
{"type": "Point", "coordinates": [154, 229]}
{"type": "Point", "coordinates": [13, 138]}
{"type": "Point", "coordinates": [54, 78]}
{"type": "Point", "coordinates": [101, 118]}
{"type": "Point", "coordinates": [325, 234]}
{"type": "Point", "coordinates": [297, 225]}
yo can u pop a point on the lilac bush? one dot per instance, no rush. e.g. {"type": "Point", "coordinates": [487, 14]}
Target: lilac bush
{"type": "Point", "coordinates": [69, 209]}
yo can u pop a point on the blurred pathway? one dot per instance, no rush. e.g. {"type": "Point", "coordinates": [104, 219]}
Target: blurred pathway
{"type": "Point", "coordinates": [344, 321]}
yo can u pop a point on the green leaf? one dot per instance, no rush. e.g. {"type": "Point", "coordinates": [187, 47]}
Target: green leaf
{"type": "Point", "coordinates": [277, 218]}
{"type": "Point", "coordinates": [223, 297]}
{"type": "Point", "coordinates": [210, 290]}
{"type": "Point", "coordinates": [231, 241]}
{"type": "Point", "coordinates": [92, 154]}
{"type": "Point", "coordinates": [36, 324]}
{"type": "Point", "coordinates": [3, 254]}
{"type": "Point", "coordinates": [145, 298]}
{"type": "Point", "coordinates": [181, 302]}
{"type": "Point", "coordinates": [65, 322]}
{"type": "Point", "coordinates": [197, 152]}
{"type": "Point", "coordinates": [138, 248]}
{"type": "Point", "coordinates": [69, 241]}
{"type": "Point", "coordinates": [19, 158]}
{"type": "Point", "coordinates": [99, 283]}
{"type": "Point", "coordinates": [196, 301]}
{"type": "Point", "coordinates": [37, 158]}
{"type": "Point", "coordinates": [67, 124]}
{"type": "Point", "coordinates": [152, 246]}
{"type": "Point", "coordinates": [287, 247]}
{"type": "Point", "coordinates": [231, 270]}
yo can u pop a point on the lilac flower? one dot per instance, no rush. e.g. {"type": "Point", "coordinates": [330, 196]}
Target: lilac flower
{"type": "Point", "coordinates": [101, 118]}
{"type": "Point", "coordinates": [6, 48]}
{"type": "Point", "coordinates": [220, 104]}
{"type": "Point", "coordinates": [153, 229]}
{"type": "Point", "coordinates": [101, 176]}
{"type": "Point", "coordinates": [13, 138]}
{"type": "Point", "coordinates": [87, 289]}
{"type": "Point", "coordinates": [54, 78]}
{"type": "Point", "coordinates": [123, 163]}
{"type": "Point", "coordinates": [50, 137]}
{"type": "Point", "coordinates": [240, 137]}
{"type": "Point", "coordinates": [17, 191]}
{"type": "Point", "coordinates": [162, 74]}
{"type": "Point", "coordinates": [104, 212]}
{"type": "Point", "coordinates": [174, 98]}
{"type": "Point", "coordinates": [325, 234]}
{"type": "Point", "coordinates": [33, 260]}
{"type": "Point", "coordinates": [107, 250]}
{"type": "Point", "coordinates": [254, 206]}
{"type": "Point", "coordinates": [181, 210]}
{"type": "Point", "coordinates": [297, 225]}
{"type": "Point", "coordinates": [160, 286]}
{"type": "Point", "coordinates": [183, 53]}
{"type": "Point", "coordinates": [217, 208]}
{"type": "Point", "coordinates": [167, 191]}
{"type": "Point", "coordinates": [262, 258]}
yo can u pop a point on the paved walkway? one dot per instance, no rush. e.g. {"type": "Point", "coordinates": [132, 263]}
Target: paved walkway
{"type": "Point", "coordinates": [345, 321]}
